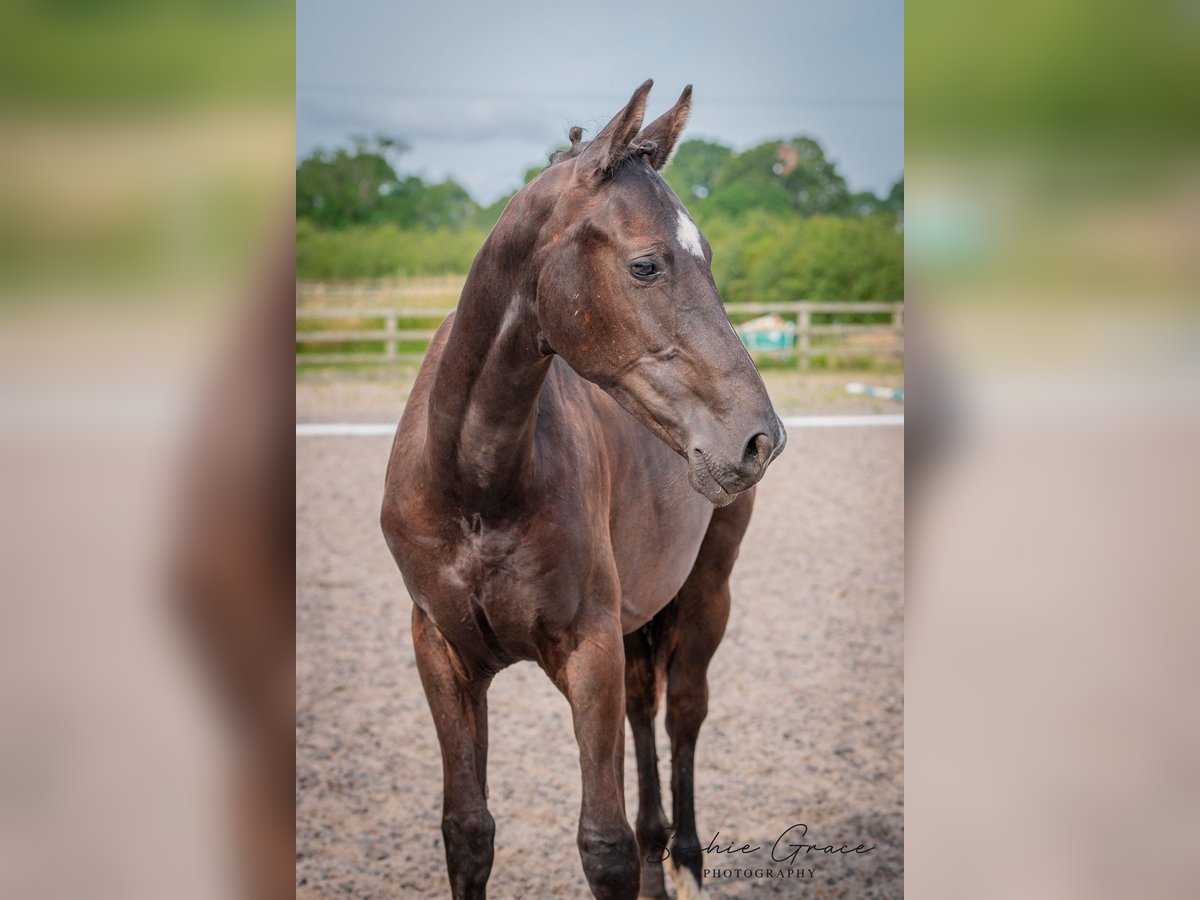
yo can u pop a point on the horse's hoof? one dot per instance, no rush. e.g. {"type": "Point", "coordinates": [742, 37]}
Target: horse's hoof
{"type": "Point", "coordinates": [686, 887]}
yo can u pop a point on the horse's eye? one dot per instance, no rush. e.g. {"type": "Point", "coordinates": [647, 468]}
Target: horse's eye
{"type": "Point", "coordinates": [644, 268]}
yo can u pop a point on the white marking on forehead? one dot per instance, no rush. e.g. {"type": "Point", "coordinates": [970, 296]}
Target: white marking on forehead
{"type": "Point", "coordinates": [688, 235]}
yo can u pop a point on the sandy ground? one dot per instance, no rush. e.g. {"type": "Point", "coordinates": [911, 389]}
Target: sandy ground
{"type": "Point", "coordinates": [805, 722]}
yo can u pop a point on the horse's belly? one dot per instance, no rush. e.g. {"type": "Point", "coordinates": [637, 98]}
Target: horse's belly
{"type": "Point", "coordinates": [656, 554]}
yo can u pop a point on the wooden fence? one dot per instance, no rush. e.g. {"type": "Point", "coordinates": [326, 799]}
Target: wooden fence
{"type": "Point", "coordinates": [387, 334]}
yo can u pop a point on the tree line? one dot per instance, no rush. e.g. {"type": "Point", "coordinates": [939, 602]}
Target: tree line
{"type": "Point", "coordinates": [782, 221]}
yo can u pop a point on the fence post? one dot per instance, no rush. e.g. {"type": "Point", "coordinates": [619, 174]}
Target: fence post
{"type": "Point", "coordinates": [803, 320]}
{"type": "Point", "coordinates": [390, 325]}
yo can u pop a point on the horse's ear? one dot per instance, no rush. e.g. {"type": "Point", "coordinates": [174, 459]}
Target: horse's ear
{"type": "Point", "coordinates": [607, 148]}
{"type": "Point", "coordinates": [665, 130]}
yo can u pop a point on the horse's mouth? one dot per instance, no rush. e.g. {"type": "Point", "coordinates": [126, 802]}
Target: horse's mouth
{"type": "Point", "coordinates": [703, 481]}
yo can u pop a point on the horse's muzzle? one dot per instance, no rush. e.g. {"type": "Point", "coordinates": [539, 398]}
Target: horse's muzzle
{"type": "Point", "coordinates": [721, 476]}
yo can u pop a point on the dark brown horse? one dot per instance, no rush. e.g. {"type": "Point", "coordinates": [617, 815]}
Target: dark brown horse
{"type": "Point", "coordinates": [537, 498]}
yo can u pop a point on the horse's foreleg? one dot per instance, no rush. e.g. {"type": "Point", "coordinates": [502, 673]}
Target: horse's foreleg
{"type": "Point", "coordinates": [458, 701]}
{"type": "Point", "coordinates": [592, 678]}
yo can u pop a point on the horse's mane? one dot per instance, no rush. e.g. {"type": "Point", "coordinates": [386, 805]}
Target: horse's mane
{"type": "Point", "coordinates": [575, 136]}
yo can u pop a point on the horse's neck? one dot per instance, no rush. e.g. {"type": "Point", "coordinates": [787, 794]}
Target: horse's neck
{"type": "Point", "coordinates": [483, 404]}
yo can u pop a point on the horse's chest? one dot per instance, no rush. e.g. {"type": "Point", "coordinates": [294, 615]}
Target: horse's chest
{"type": "Point", "coordinates": [494, 589]}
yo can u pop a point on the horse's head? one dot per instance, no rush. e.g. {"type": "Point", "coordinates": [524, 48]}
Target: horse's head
{"type": "Point", "coordinates": [626, 296]}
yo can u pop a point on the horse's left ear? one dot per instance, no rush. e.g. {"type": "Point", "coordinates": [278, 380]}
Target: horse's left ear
{"type": "Point", "coordinates": [607, 148]}
{"type": "Point", "coordinates": [665, 130]}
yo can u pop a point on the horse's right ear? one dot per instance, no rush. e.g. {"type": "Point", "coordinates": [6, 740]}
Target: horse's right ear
{"type": "Point", "coordinates": [665, 130]}
{"type": "Point", "coordinates": [607, 148]}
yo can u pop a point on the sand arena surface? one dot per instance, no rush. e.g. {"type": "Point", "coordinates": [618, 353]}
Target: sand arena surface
{"type": "Point", "coordinates": [805, 721]}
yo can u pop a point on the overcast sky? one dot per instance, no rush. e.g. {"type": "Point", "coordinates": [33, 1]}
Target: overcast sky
{"type": "Point", "coordinates": [483, 90]}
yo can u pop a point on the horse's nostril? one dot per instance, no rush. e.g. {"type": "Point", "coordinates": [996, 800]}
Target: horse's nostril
{"type": "Point", "coordinates": [758, 451]}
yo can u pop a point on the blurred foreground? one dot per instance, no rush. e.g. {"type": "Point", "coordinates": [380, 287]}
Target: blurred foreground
{"type": "Point", "coordinates": [1052, 229]}
{"type": "Point", "coordinates": [146, 543]}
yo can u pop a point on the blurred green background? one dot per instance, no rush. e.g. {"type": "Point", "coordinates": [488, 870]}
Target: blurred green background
{"type": "Point", "coordinates": [145, 147]}
{"type": "Point", "coordinates": [782, 221]}
{"type": "Point", "coordinates": [1052, 151]}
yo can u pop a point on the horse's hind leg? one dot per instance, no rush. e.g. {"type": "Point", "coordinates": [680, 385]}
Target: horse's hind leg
{"type": "Point", "coordinates": [458, 701]}
{"type": "Point", "coordinates": [646, 652]}
{"type": "Point", "coordinates": [703, 610]}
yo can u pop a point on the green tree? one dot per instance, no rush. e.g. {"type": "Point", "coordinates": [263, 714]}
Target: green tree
{"type": "Point", "coordinates": [360, 186]}
{"type": "Point", "coordinates": [895, 197]}
{"type": "Point", "coordinates": [694, 168]}
{"type": "Point", "coordinates": [345, 187]}
{"type": "Point", "coordinates": [778, 177]}
{"type": "Point", "coordinates": [415, 204]}
{"type": "Point", "coordinates": [864, 203]}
